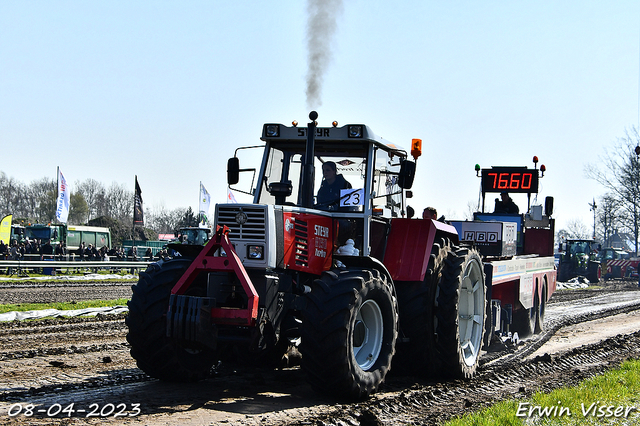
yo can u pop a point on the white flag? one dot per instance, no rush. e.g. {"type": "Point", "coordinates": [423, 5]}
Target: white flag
{"type": "Point", "coordinates": [62, 206]}
{"type": "Point", "coordinates": [230, 197]}
{"type": "Point", "coordinates": [205, 202]}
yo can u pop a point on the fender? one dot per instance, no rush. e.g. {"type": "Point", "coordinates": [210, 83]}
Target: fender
{"type": "Point", "coordinates": [366, 262]}
{"type": "Point", "coordinates": [409, 246]}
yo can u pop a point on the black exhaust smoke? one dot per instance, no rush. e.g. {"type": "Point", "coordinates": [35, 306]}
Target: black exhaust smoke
{"type": "Point", "coordinates": [321, 28]}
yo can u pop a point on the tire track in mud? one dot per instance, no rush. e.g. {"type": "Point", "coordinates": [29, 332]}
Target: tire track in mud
{"type": "Point", "coordinates": [437, 402]}
{"type": "Point", "coordinates": [89, 356]}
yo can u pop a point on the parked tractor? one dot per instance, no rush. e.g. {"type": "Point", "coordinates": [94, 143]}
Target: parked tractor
{"type": "Point", "coordinates": [618, 263]}
{"type": "Point", "coordinates": [579, 258]}
{"type": "Point", "coordinates": [331, 265]}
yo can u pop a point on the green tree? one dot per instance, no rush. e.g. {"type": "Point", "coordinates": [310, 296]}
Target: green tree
{"type": "Point", "coordinates": [78, 208]}
{"type": "Point", "coordinates": [189, 219]}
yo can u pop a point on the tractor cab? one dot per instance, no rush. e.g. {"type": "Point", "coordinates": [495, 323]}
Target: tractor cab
{"type": "Point", "coordinates": [346, 174]}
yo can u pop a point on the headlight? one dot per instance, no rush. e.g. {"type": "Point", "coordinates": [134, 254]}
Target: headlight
{"type": "Point", "coordinates": [272, 130]}
{"type": "Point", "coordinates": [255, 252]}
{"type": "Point", "coordinates": [355, 131]}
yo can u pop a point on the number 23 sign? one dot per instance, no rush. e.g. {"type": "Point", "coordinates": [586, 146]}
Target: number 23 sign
{"type": "Point", "coordinates": [351, 197]}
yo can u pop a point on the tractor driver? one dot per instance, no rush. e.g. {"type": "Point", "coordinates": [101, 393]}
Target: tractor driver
{"type": "Point", "coordinates": [506, 205]}
{"type": "Point", "coordinates": [329, 193]}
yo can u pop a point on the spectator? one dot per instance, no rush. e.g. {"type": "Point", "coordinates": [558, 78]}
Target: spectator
{"type": "Point", "coordinates": [60, 251]}
{"type": "Point", "coordinates": [94, 255]}
{"type": "Point", "coordinates": [430, 213]}
{"type": "Point", "coordinates": [14, 253]}
{"type": "Point", "coordinates": [133, 253]}
{"type": "Point", "coordinates": [3, 250]}
{"type": "Point", "coordinates": [149, 254]}
{"type": "Point", "coordinates": [46, 250]}
{"type": "Point", "coordinates": [81, 250]}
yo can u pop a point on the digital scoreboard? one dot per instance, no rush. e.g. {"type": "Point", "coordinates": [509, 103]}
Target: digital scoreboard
{"type": "Point", "coordinates": [510, 179]}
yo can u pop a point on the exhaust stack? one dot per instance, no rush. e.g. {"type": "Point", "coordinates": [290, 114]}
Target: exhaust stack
{"type": "Point", "coordinates": [308, 170]}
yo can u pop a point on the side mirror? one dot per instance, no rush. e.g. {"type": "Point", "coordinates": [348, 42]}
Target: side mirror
{"type": "Point", "coordinates": [548, 206]}
{"type": "Point", "coordinates": [407, 173]}
{"type": "Point", "coordinates": [233, 171]}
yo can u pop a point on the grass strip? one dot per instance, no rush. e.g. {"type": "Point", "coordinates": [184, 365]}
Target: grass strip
{"type": "Point", "coordinates": [609, 398]}
{"type": "Point", "coordinates": [62, 306]}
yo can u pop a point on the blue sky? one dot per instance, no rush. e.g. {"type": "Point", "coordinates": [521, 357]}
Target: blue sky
{"type": "Point", "coordinates": [167, 90]}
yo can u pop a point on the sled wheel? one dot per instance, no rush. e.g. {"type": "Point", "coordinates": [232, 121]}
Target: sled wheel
{"type": "Point", "coordinates": [156, 354]}
{"type": "Point", "coordinates": [349, 331]}
{"type": "Point", "coordinates": [460, 313]}
{"type": "Point", "coordinates": [524, 320]}
{"type": "Point", "coordinates": [542, 306]}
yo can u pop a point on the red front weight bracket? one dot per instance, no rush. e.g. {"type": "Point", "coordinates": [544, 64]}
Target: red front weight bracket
{"type": "Point", "coordinates": [207, 262]}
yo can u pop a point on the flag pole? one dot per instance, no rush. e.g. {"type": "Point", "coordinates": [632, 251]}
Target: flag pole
{"type": "Point", "coordinates": [133, 229]}
{"type": "Point", "coordinates": [55, 205]}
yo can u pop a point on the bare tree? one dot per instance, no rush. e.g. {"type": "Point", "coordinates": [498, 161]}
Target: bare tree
{"type": "Point", "coordinates": [119, 202]}
{"type": "Point", "coordinates": [93, 193]}
{"type": "Point", "coordinates": [163, 221]}
{"type": "Point", "coordinates": [621, 176]}
{"type": "Point", "coordinates": [13, 197]}
{"type": "Point", "coordinates": [44, 194]}
{"type": "Point", "coordinates": [576, 229]}
{"type": "Point", "coordinates": [609, 218]}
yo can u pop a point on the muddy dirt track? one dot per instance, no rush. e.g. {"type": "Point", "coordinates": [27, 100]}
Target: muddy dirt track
{"type": "Point", "coordinates": [78, 371]}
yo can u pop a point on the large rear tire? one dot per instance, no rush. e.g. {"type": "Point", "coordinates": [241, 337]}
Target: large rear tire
{"type": "Point", "coordinates": [349, 331]}
{"type": "Point", "coordinates": [595, 272]}
{"type": "Point", "coordinates": [156, 354]}
{"type": "Point", "coordinates": [416, 301]}
{"type": "Point", "coordinates": [460, 313]}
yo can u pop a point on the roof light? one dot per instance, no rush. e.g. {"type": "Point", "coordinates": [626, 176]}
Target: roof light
{"type": "Point", "coordinates": [477, 169]}
{"type": "Point", "coordinates": [355, 131]}
{"type": "Point", "coordinates": [335, 124]}
{"type": "Point", "coordinates": [416, 148]}
{"type": "Point", "coordinates": [535, 159]}
{"type": "Point", "coordinates": [543, 169]}
{"type": "Point", "coordinates": [295, 123]}
{"type": "Point", "coordinates": [272, 130]}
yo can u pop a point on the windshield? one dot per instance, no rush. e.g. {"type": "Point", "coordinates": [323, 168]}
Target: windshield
{"type": "Point", "coordinates": [38, 233]}
{"type": "Point", "coordinates": [283, 173]}
{"type": "Point", "coordinates": [581, 247]}
{"type": "Point", "coordinates": [340, 177]}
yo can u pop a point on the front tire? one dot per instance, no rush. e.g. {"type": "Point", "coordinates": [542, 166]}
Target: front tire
{"type": "Point", "coordinates": [349, 331]}
{"type": "Point", "coordinates": [156, 354]}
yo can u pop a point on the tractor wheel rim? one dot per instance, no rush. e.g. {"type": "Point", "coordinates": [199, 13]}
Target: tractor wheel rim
{"type": "Point", "coordinates": [471, 319]}
{"type": "Point", "coordinates": [368, 334]}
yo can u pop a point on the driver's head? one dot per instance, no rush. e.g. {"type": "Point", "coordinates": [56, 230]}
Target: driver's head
{"type": "Point", "coordinates": [329, 170]}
